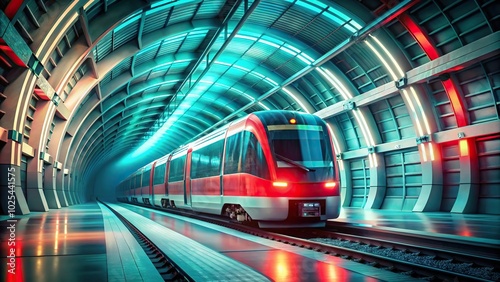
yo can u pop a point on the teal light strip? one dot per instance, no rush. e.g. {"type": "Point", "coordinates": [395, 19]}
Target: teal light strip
{"type": "Point", "coordinates": [295, 127]}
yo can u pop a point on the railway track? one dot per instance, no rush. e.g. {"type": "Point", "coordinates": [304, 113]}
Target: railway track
{"type": "Point", "coordinates": [377, 250]}
{"type": "Point", "coordinates": [475, 250]}
{"type": "Point", "coordinates": [422, 257]}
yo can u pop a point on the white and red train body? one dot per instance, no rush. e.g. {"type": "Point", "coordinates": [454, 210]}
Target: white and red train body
{"type": "Point", "coordinates": [274, 167]}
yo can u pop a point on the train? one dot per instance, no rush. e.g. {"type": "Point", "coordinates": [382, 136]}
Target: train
{"type": "Point", "coordinates": [275, 168]}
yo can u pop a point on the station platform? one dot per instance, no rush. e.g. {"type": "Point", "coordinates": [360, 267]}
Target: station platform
{"type": "Point", "coordinates": [469, 227]}
{"type": "Point", "coordinates": [86, 243]}
{"type": "Point", "coordinates": [64, 244]}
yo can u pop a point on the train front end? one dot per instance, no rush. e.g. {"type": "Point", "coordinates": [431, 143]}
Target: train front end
{"type": "Point", "coordinates": [304, 189]}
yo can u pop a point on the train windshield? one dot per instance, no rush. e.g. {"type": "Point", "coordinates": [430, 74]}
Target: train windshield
{"type": "Point", "coordinates": [304, 149]}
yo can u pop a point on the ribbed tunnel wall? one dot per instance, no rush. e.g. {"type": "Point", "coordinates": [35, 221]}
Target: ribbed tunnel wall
{"type": "Point", "coordinates": [411, 91]}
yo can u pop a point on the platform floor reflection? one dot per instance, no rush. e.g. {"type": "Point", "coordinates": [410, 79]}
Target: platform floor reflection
{"type": "Point", "coordinates": [474, 227]}
{"type": "Point", "coordinates": [69, 244]}
{"type": "Point", "coordinates": [66, 244]}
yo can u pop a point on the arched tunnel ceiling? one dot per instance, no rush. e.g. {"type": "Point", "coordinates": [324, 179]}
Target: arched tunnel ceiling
{"type": "Point", "coordinates": [206, 63]}
{"type": "Point", "coordinates": [385, 75]}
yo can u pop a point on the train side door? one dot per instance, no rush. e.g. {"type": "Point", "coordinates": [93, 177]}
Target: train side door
{"type": "Point", "coordinates": [151, 184]}
{"type": "Point", "coordinates": [187, 179]}
{"type": "Point", "coordinates": [167, 171]}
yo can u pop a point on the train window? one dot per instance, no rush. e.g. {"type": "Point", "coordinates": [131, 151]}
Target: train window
{"type": "Point", "coordinates": [216, 157]}
{"type": "Point", "coordinates": [159, 174]}
{"type": "Point", "coordinates": [253, 160]}
{"type": "Point", "coordinates": [137, 180]}
{"type": "Point", "coordinates": [145, 177]}
{"type": "Point", "coordinates": [205, 161]}
{"type": "Point", "coordinates": [233, 149]}
{"type": "Point", "coordinates": [177, 169]}
{"type": "Point", "coordinates": [308, 147]}
{"type": "Point", "coordinates": [305, 149]}
{"type": "Point", "coordinates": [244, 154]}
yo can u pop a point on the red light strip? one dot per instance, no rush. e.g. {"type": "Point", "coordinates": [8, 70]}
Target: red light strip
{"type": "Point", "coordinates": [419, 36]}
{"type": "Point", "coordinates": [456, 102]}
{"type": "Point", "coordinates": [464, 148]}
{"type": "Point", "coordinates": [10, 53]}
{"type": "Point", "coordinates": [431, 51]}
{"type": "Point", "coordinates": [12, 8]}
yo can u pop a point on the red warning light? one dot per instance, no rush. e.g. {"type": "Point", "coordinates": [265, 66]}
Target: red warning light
{"type": "Point", "coordinates": [293, 121]}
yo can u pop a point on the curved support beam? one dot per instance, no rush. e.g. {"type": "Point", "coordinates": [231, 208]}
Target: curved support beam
{"type": "Point", "coordinates": [431, 193]}
{"type": "Point", "coordinates": [378, 188]}
{"type": "Point", "coordinates": [469, 189]}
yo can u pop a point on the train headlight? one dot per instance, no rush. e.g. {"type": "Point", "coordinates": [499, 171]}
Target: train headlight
{"type": "Point", "coordinates": [330, 184]}
{"type": "Point", "coordinates": [280, 184]}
